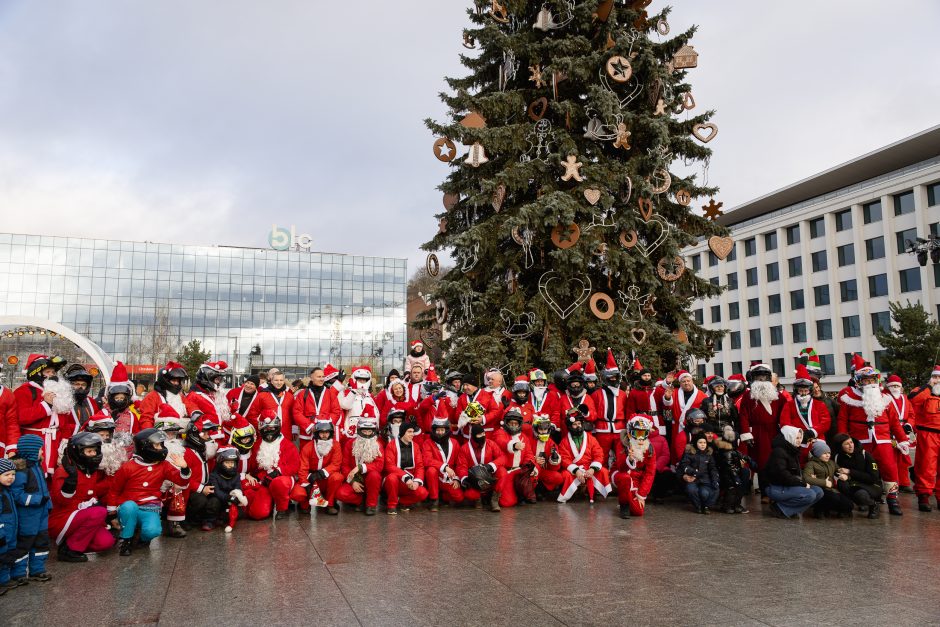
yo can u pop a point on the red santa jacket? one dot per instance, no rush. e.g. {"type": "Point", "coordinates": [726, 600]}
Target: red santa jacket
{"type": "Point", "coordinates": [436, 461]}
{"type": "Point", "coordinates": [611, 407]}
{"type": "Point", "coordinates": [493, 411]}
{"type": "Point", "coordinates": [545, 406]}
{"type": "Point", "coordinates": [527, 411]}
{"type": "Point", "coordinates": [471, 455]}
{"type": "Point", "coordinates": [410, 409]}
{"type": "Point", "coordinates": [350, 462]}
{"type": "Point", "coordinates": [384, 399]}
{"type": "Point", "coordinates": [9, 422]}
{"type": "Point", "coordinates": [287, 464]}
{"type": "Point", "coordinates": [140, 482]}
{"type": "Point", "coordinates": [310, 461]}
{"type": "Point", "coordinates": [649, 401]}
{"type": "Point", "coordinates": [429, 409]}
{"type": "Point", "coordinates": [565, 402]}
{"type": "Point", "coordinates": [502, 396]}
{"type": "Point", "coordinates": [513, 458]}
{"type": "Point", "coordinates": [65, 506]}
{"type": "Point", "coordinates": [643, 472]}
{"type": "Point", "coordinates": [680, 403]}
{"type": "Point", "coordinates": [854, 420]}
{"type": "Point", "coordinates": [31, 410]}
{"type": "Point", "coordinates": [394, 471]}
{"type": "Point", "coordinates": [545, 449]}
{"type": "Point", "coordinates": [588, 455]}
{"type": "Point", "coordinates": [199, 468]}
{"type": "Point", "coordinates": [926, 408]}
{"type": "Point", "coordinates": [252, 410]}
{"type": "Point", "coordinates": [308, 409]}
{"type": "Point", "coordinates": [149, 405]}
{"type": "Point", "coordinates": [281, 404]}
{"type": "Point", "coordinates": [199, 400]}
{"type": "Point", "coordinates": [904, 409]}
{"type": "Point", "coordinates": [817, 418]}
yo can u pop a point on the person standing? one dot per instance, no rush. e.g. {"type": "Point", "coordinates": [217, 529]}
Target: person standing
{"type": "Point", "coordinates": [759, 409]}
{"type": "Point", "coordinates": [167, 389]}
{"type": "Point", "coordinates": [805, 412]}
{"type": "Point", "coordinates": [9, 422]}
{"type": "Point", "coordinates": [926, 405]}
{"type": "Point", "coordinates": [681, 401]}
{"type": "Point", "coordinates": [316, 403]}
{"type": "Point", "coordinates": [278, 398]}
{"type": "Point", "coordinates": [40, 400]}
{"type": "Point", "coordinates": [610, 402]}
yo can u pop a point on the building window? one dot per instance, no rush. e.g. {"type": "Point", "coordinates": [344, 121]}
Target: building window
{"type": "Point", "coordinates": [716, 313]}
{"type": "Point", "coordinates": [936, 275]}
{"type": "Point", "coordinates": [905, 236]}
{"type": "Point", "coordinates": [753, 338]}
{"type": "Point", "coordinates": [700, 370]}
{"type": "Point", "coordinates": [934, 228]}
{"type": "Point", "coordinates": [848, 290]}
{"type": "Point", "coordinates": [770, 241]}
{"type": "Point", "coordinates": [794, 266]}
{"type": "Point", "coordinates": [712, 259]}
{"type": "Point", "coordinates": [821, 295]}
{"type": "Point", "coordinates": [904, 203]}
{"type": "Point", "coordinates": [714, 281]}
{"type": "Point", "coordinates": [733, 281]}
{"type": "Point", "coordinates": [753, 307]}
{"type": "Point", "coordinates": [848, 361]}
{"type": "Point", "coordinates": [827, 363]}
{"type": "Point", "coordinates": [846, 255]}
{"type": "Point", "coordinates": [773, 271]}
{"type": "Point", "coordinates": [910, 280]}
{"type": "Point", "coordinates": [793, 234]}
{"type": "Point", "coordinates": [733, 254]}
{"type": "Point", "coordinates": [696, 262]}
{"type": "Point", "coordinates": [881, 321]}
{"type": "Point", "coordinates": [933, 194]}
{"type": "Point", "coordinates": [878, 285]}
{"type": "Point", "coordinates": [851, 327]}
{"type": "Point", "coordinates": [773, 303]}
{"type": "Point", "coordinates": [843, 220]}
{"type": "Point", "coordinates": [735, 340]}
{"type": "Point", "coordinates": [736, 367]}
{"type": "Point", "coordinates": [718, 344]}
{"type": "Point", "coordinates": [751, 276]}
{"type": "Point", "coordinates": [798, 329]}
{"type": "Point", "coordinates": [875, 248]}
{"type": "Point", "coordinates": [796, 299]}
{"type": "Point", "coordinates": [699, 316]}
{"type": "Point", "coordinates": [824, 329]}
{"type": "Point", "coordinates": [820, 261]}
{"type": "Point", "coordinates": [776, 336]}
{"type": "Point", "coordinates": [817, 228]}
{"type": "Point", "coordinates": [719, 370]}
{"type": "Point", "coordinates": [750, 247]}
{"type": "Point", "coordinates": [880, 360]}
{"type": "Point", "coordinates": [872, 212]}
{"type": "Point", "coordinates": [777, 366]}
{"type": "Point", "coordinates": [733, 311]}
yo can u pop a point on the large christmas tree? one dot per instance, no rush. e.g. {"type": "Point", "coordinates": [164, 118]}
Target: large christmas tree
{"type": "Point", "coordinates": [563, 216]}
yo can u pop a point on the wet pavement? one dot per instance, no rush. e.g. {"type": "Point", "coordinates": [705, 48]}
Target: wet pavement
{"type": "Point", "coordinates": [546, 564]}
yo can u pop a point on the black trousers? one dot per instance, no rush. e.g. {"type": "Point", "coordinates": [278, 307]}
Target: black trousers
{"type": "Point", "coordinates": [833, 501]}
{"type": "Point", "coordinates": [201, 508]}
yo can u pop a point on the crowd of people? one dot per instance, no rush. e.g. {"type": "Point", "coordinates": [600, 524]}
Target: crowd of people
{"type": "Point", "coordinates": [85, 474]}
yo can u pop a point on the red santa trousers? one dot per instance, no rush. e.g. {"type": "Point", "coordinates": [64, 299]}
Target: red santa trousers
{"type": "Point", "coordinates": [328, 488]}
{"type": "Point", "coordinates": [87, 531]}
{"type": "Point", "coordinates": [373, 485]}
{"type": "Point", "coordinates": [437, 489]}
{"type": "Point", "coordinates": [550, 479]}
{"type": "Point", "coordinates": [600, 483]}
{"type": "Point", "coordinates": [519, 485]}
{"type": "Point", "coordinates": [607, 441]}
{"type": "Point", "coordinates": [260, 499]}
{"type": "Point", "coordinates": [925, 463]}
{"type": "Point", "coordinates": [626, 494]}
{"type": "Point", "coordinates": [904, 464]}
{"type": "Point", "coordinates": [397, 493]}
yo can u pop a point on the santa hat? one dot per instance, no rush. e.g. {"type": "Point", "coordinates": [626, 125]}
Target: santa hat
{"type": "Point", "coordinates": [207, 423]}
{"type": "Point", "coordinates": [417, 343]}
{"type": "Point", "coordinates": [166, 412]}
{"type": "Point", "coordinates": [267, 414]}
{"type": "Point", "coordinates": [894, 380]}
{"type": "Point", "coordinates": [33, 357]}
{"type": "Point", "coordinates": [736, 377]}
{"type": "Point", "coordinates": [218, 366]}
{"type": "Point", "coordinates": [330, 372]}
{"type": "Point", "coordinates": [858, 362]}
{"type": "Point", "coordinates": [708, 379]}
{"type": "Point", "coordinates": [120, 384]}
{"type": "Point", "coordinates": [611, 364]}
{"type": "Point", "coordinates": [812, 360]}
{"type": "Point", "coordinates": [368, 411]}
{"type": "Point", "coordinates": [99, 420]}
{"type": "Point", "coordinates": [936, 371]}
{"type": "Point", "coordinates": [637, 366]}
{"type": "Point", "coordinates": [803, 378]}
{"type": "Point", "coordinates": [683, 373]}
{"type": "Point", "coordinates": [575, 367]}
{"type": "Point", "coordinates": [239, 422]}
{"type": "Point", "coordinates": [590, 371]}
{"type": "Point", "coordinates": [362, 372]}
{"type": "Point", "coordinates": [432, 375]}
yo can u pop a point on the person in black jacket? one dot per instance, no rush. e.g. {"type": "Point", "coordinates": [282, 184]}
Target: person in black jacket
{"type": "Point", "coordinates": [227, 484]}
{"type": "Point", "coordinates": [719, 407]}
{"type": "Point", "coordinates": [857, 472]}
{"type": "Point", "coordinates": [700, 474]}
{"type": "Point", "coordinates": [789, 494]}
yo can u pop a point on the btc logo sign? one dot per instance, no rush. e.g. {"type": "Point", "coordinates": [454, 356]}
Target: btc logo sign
{"type": "Point", "coordinates": [287, 239]}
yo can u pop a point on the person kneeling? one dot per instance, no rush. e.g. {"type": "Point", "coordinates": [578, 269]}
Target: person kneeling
{"type": "Point", "coordinates": [404, 470]}
{"type": "Point", "coordinates": [520, 461]}
{"type": "Point", "coordinates": [481, 468]}
{"type": "Point", "coordinates": [820, 470]}
{"type": "Point", "coordinates": [583, 460]}
{"type": "Point", "coordinates": [363, 462]}
{"type": "Point", "coordinates": [635, 468]}
{"type": "Point", "coordinates": [440, 454]}
{"type": "Point", "coordinates": [321, 460]}
{"type": "Point", "coordinates": [857, 472]}
{"type": "Point", "coordinates": [700, 473]}
{"type": "Point", "coordinates": [789, 494]}
{"type": "Point", "coordinates": [271, 470]}
{"type": "Point", "coordinates": [547, 458]}
{"type": "Point", "coordinates": [227, 486]}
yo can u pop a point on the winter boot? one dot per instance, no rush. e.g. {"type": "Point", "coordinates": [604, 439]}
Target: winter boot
{"type": "Point", "coordinates": [42, 577]}
{"type": "Point", "coordinates": [331, 510]}
{"type": "Point", "coordinates": [370, 511]}
{"type": "Point", "coordinates": [127, 547]}
{"type": "Point", "coordinates": [66, 554]}
{"type": "Point", "coordinates": [494, 502]}
{"type": "Point", "coordinates": [873, 511]}
{"type": "Point", "coordinates": [625, 511]}
{"type": "Point", "coordinates": [176, 530]}
{"type": "Point", "coordinates": [923, 502]}
{"type": "Point", "coordinates": [434, 505]}
{"type": "Point", "coordinates": [393, 511]}
{"type": "Point", "coordinates": [894, 508]}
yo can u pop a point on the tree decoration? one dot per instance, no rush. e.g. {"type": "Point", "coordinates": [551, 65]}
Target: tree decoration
{"type": "Point", "coordinates": [622, 137]}
{"type": "Point", "coordinates": [628, 239]}
{"type": "Point", "coordinates": [535, 76]}
{"type": "Point", "coordinates": [645, 206]}
{"type": "Point", "coordinates": [686, 57]}
{"type": "Point", "coordinates": [670, 268]}
{"type": "Point", "coordinates": [545, 21]}
{"type": "Point", "coordinates": [633, 303]}
{"type": "Point", "coordinates": [656, 226]}
{"type": "Point", "coordinates": [469, 42]}
{"type": "Point", "coordinates": [698, 132]}
{"type": "Point", "coordinates": [538, 109]}
{"type": "Point", "coordinates": [662, 26]}
{"type": "Point", "coordinates": [518, 326]}
{"type": "Point", "coordinates": [721, 246]}
{"type": "Point", "coordinates": [451, 200]}
{"type": "Point", "coordinates": [572, 169]}
{"type": "Point", "coordinates": [540, 142]}
{"type": "Point", "coordinates": [578, 288]}
{"type": "Point", "coordinates": [499, 197]}
{"type": "Point", "coordinates": [442, 225]}
{"type": "Point", "coordinates": [713, 210]}
{"type": "Point", "coordinates": [660, 107]}
{"type": "Point", "coordinates": [683, 197]}
{"type": "Point", "coordinates": [498, 12]}
{"type": "Point", "coordinates": [508, 70]}
{"type": "Point", "coordinates": [473, 120]}
{"type": "Point", "coordinates": [432, 265]}
{"type": "Point", "coordinates": [592, 195]}
{"type": "Point", "coordinates": [619, 69]}
{"type": "Point", "coordinates": [477, 155]}
{"type": "Point", "coordinates": [584, 350]}
{"type": "Point", "coordinates": [440, 311]}
{"type": "Point", "coordinates": [444, 149]}
{"type": "Point", "coordinates": [565, 236]}
{"type": "Point", "coordinates": [660, 181]}
{"type": "Point", "coordinates": [523, 237]}
{"type": "Point", "coordinates": [603, 10]}
{"type": "Point", "coordinates": [604, 218]}
{"type": "Point", "coordinates": [638, 335]}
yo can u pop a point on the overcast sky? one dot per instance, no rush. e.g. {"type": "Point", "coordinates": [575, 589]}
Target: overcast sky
{"type": "Point", "coordinates": [204, 122]}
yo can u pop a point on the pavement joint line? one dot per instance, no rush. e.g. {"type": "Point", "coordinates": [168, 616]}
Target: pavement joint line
{"type": "Point", "coordinates": [169, 583]}
{"type": "Point", "coordinates": [332, 578]}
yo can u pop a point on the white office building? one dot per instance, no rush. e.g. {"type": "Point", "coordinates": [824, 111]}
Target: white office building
{"type": "Point", "coordinates": [816, 263]}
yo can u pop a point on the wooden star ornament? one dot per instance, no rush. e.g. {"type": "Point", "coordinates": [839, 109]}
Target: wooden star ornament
{"type": "Point", "coordinates": [713, 210]}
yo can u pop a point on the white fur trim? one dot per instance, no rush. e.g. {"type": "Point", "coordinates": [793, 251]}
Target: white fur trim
{"type": "Point", "coordinates": [746, 437]}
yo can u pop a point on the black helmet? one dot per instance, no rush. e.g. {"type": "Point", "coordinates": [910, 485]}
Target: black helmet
{"type": "Point", "coordinates": [521, 391]}
{"type": "Point", "coordinates": [453, 375]}
{"type": "Point", "coordinates": [321, 426]}
{"type": "Point", "coordinates": [227, 455]}
{"type": "Point", "coordinates": [759, 372]}
{"type": "Point", "coordinates": [170, 371]}
{"type": "Point", "coordinates": [198, 423]}
{"type": "Point", "coordinates": [269, 428]}
{"type": "Point", "coordinates": [695, 414]}
{"type": "Point", "coordinates": [206, 375]}
{"type": "Point", "coordinates": [145, 443]}
{"type": "Point", "coordinates": [513, 414]}
{"type": "Point", "coordinates": [481, 477]}
{"type": "Point", "coordinates": [715, 382]}
{"type": "Point", "coordinates": [75, 450]}
{"type": "Point", "coordinates": [559, 378]}
{"type": "Point", "coordinates": [77, 372]}
{"type": "Point", "coordinates": [35, 367]}
{"type": "Point", "coordinates": [124, 388]}
{"type": "Point", "coordinates": [575, 382]}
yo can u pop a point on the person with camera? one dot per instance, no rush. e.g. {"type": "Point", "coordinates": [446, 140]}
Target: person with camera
{"type": "Point", "coordinates": [698, 471]}
{"type": "Point", "coordinates": [521, 469]}
{"type": "Point", "coordinates": [582, 458]}
{"type": "Point", "coordinates": [547, 457]}
{"type": "Point", "coordinates": [467, 411]}
{"type": "Point", "coordinates": [790, 495]}
{"type": "Point", "coordinates": [574, 397]}
{"type": "Point", "coordinates": [681, 401]}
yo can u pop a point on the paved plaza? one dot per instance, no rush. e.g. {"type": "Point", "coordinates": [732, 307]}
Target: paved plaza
{"type": "Point", "coordinates": [546, 564]}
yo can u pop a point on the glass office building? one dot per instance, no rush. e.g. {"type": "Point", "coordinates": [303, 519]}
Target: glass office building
{"type": "Point", "coordinates": [252, 307]}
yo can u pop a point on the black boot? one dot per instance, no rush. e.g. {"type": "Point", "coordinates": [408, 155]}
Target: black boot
{"type": "Point", "coordinates": [873, 511]}
{"type": "Point", "coordinates": [894, 508]}
{"type": "Point", "coordinates": [127, 547]}
{"type": "Point", "coordinates": [176, 530]}
{"type": "Point", "coordinates": [434, 505]}
{"type": "Point", "coordinates": [494, 502]}
{"type": "Point", "coordinates": [66, 554]}
{"type": "Point", "coordinates": [923, 502]}
{"type": "Point", "coordinates": [625, 511]}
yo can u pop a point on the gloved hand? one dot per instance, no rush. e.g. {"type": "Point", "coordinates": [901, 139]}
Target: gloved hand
{"type": "Point", "coordinates": [904, 447]}
{"type": "Point", "coordinates": [747, 437]}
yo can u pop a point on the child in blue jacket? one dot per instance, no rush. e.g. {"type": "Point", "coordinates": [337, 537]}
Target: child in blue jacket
{"type": "Point", "coordinates": [8, 526]}
{"type": "Point", "coordinates": [31, 495]}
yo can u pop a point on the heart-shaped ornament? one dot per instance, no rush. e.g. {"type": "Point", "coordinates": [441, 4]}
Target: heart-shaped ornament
{"type": "Point", "coordinates": [538, 109]}
{"type": "Point", "coordinates": [638, 335]}
{"type": "Point", "coordinates": [698, 131]}
{"type": "Point", "coordinates": [564, 295]}
{"type": "Point", "coordinates": [499, 196]}
{"type": "Point", "coordinates": [592, 195]}
{"type": "Point", "coordinates": [721, 246]}
{"type": "Point", "coordinates": [646, 208]}
{"type": "Point", "coordinates": [658, 229]}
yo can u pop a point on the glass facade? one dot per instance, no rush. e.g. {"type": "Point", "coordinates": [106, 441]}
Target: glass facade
{"type": "Point", "coordinates": [299, 308]}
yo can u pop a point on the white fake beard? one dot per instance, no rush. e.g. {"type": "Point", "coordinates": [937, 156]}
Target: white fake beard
{"type": "Point", "coordinates": [394, 429]}
{"type": "Point", "coordinates": [269, 454]}
{"type": "Point", "coordinates": [174, 447]}
{"type": "Point", "coordinates": [212, 447]}
{"type": "Point", "coordinates": [365, 450]}
{"type": "Point", "coordinates": [638, 449]}
{"type": "Point", "coordinates": [895, 391]}
{"type": "Point", "coordinates": [873, 401]}
{"type": "Point", "coordinates": [539, 392]}
{"type": "Point", "coordinates": [64, 401]}
{"type": "Point", "coordinates": [764, 392]}
{"type": "Point", "coordinates": [324, 447]}
{"type": "Point", "coordinates": [176, 402]}
{"type": "Point", "coordinates": [113, 456]}
{"type": "Point", "coordinates": [452, 398]}
{"type": "Point", "coordinates": [221, 404]}
{"type": "Point", "coordinates": [803, 401]}
{"type": "Point", "coordinates": [935, 389]}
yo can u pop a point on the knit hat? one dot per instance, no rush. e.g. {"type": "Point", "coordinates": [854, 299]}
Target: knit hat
{"type": "Point", "coordinates": [253, 378]}
{"type": "Point", "coordinates": [29, 446]}
{"type": "Point", "coordinates": [699, 436]}
{"type": "Point", "coordinates": [6, 466]}
{"type": "Point", "coordinates": [819, 448]}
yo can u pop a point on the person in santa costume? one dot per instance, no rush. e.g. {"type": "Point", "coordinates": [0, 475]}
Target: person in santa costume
{"type": "Point", "coordinates": [804, 412]}
{"type": "Point", "coordinates": [417, 356]}
{"type": "Point", "coordinates": [440, 456]}
{"type": "Point", "coordinates": [482, 469]}
{"type": "Point", "coordinates": [904, 409]}
{"type": "Point", "coordinates": [521, 469]}
{"type": "Point", "coordinates": [200, 448]}
{"type": "Point", "coordinates": [680, 401]}
{"type": "Point", "coordinates": [40, 401]}
{"type": "Point", "coordinates": [591, 382]}
{"type": "Point", "coordinates": [926, 404]}
{"type": "Point", "coordinates": [272, 470]}
{"type": "Point", "coordinates": [403, 480]}
{"type": "Point", "coordinates": [77, 520]}
{"type": "Point", "coordinates": [575, 397]}
{"type": "Point", "coordinates": [646, 398]}
{"type": "Point", "coordinates": [244, 439]}
{"type": "Point", "coordinates": [119, 404]}
{"type": "Point", "coordinates": [392, 428]}
{"type": "Point", "coordinates": [395, 391]}
{"type": "Point", "coordinates": [321, 461]}
{"type": "Point", "coordinates": [277, 397]}
{"type": "Point", "coordinates": [167, 389]}
{"type": "Point", "coordinates": [84, 406]}
{"type": "Point", "coordinates": [432, 403]}
{"type": "Point", "coordinates": [168, 421]}
{"type": "Point", "coordinates": [9, 421]}
{"type": "Point", "coordinates": [134, 495]}
{"type": "Point", "coordinates": [495, 384]}
{"type": "Point", "coordinates": [635, 466]}
{"type": "Point", "coordinates": [547, 458]}
{"type": "Point", "coordinates": [357, 401]}
{"type": "Point", "coordinates": [226, 484]}
{"type": "Point", "coordinates": [760, 409]}
{"type": "Point", "coordinates": [416, 377]}
{"type": "Point", "coordinates": [398, 403]}
{"type": "Point", "coordinates": [610, 401]}
{"type": "Point", "coordinates": [582, 459]}
{"type": "Point", "coordinates": [315, 403]}
{"type": "Point", "coordinates": [113, 454]}
{"type": "Point", "coordinates": [207, 394]}
{"type": "Point", "coordinates": [243, 401]}
{"type": "Point", "coordinates": [718, 406]}
{"type": "Point", "coordinates": [363, 462]}
{"type": "Point", "coordinates": [522, 402]}
{"type": "Point", "coordinates": [472, 399]}
{"type": "Point", "coordinates": [866, 414]}
{"type": "Point", "coordinates": [541, 400]}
